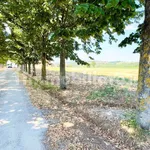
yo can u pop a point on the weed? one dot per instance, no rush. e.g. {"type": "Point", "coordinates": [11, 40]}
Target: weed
{"type": "Point", "coordinates": [107, 91]}
{"type": "Point", "coordinates": [130, 119]}
{"type": "Point", "coordinates": [111, 92]}
{"type": "Point", "coordinates": [47, 86]}
{"type": "Point", "coordinates": [44, 85]}
{"type": "Point", "coordinates": [129, 123]}
{"type": "Point", "coordinates": [34, 83]}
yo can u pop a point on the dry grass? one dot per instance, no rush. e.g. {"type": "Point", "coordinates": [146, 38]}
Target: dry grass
{"type": "Point", "coordinates": [67, 129]}
{"type": "Point", "coordinates": [90, 125]}
{"type": "Point", "coordinates": [95, 90]}
{"type": "Point", "coordinates": [131, 73]}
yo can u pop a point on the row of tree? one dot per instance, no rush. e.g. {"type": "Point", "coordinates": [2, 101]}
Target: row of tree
{"type": "Point", "coordinates": [42, 29]}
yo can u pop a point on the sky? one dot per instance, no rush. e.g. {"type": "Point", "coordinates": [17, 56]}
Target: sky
{"type": "Point", "coordinates": [111, 52]}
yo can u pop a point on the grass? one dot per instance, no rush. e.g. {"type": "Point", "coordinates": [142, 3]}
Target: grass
{"type": "Point", "coordinates": [130, 120]}
{"type": "Point", "coordinates": [129, 123]}
{"type": "Point", "coordinates": [120, 85]}
{"type": "Point", "coordinates": [130, 72]}
{"type": "Point", "coordinates": [48, 86]}
{"type": "Point", "coordinates": [42, 84]}
{"type": "Point", "coordinates": [108, 91]}
{"type": "Point", "coordinates": [111, 93]}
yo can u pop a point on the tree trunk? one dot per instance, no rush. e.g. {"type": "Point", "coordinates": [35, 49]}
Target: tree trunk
{"type": "Point", "coordinates": [22, 68]}
{"type": "Point", "coordinates": [29, 67]}
{"type": "Point", "coordinates": [43, 75]}
{"type": "Point", "coordinates": [26, 68]}
{"type": "Point", "coordinates": [62, 70]}
{"type": "Point", "coordinates": [34, 69]}
{"type": "Point", "coordinates": [144, 73]}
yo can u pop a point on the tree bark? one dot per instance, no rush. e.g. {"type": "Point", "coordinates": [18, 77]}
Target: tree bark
{"type": "Point", "coordinates": [34, 69]}
{"type": "Point", "coordinates": [26, 68]}
{"type": "Point", "coordinates": [62, 70]}
{"type": "Point", "coordinates": [43, 75]}
{"type": "Point", "coordinates": [22, 67]}
{"type": "Point", "coordinates": [144, 73]}
{"type": "Point", "coordinates": [29, 67]}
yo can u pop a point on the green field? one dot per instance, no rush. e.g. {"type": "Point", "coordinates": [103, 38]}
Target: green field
{"type": "Point", "coordinates": [123, 70]}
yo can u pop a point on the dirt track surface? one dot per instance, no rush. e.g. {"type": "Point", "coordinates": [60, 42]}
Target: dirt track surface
{"type": "Point", "coordinates": [21, 125]}
{"type": "Point", "coordinates": [68, 129]}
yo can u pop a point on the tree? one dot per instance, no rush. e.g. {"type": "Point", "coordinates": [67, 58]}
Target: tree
{"type": "Point", "coordinates": [56, 25]}
{"type": "Point", "coordinates": [86, 20]}
{"type": "Point", "coordinates": [3, 50]}
{"type": "Point", "coordinates": [142, 37]}
{"type": "Point", "coordinates": [31, 19]}
{"type": "Point", "coordinates": [144, 72]}
{"type": "Point", "coordinates": [64, 29]}
{"type": "Point", "coordinates": [134, 37]}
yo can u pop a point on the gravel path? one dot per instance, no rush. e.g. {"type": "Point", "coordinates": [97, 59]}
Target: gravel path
{"type": "Point", "coordinates": [22, 126]}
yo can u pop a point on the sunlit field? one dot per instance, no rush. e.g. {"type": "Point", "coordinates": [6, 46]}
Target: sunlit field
{"type": "Point", "coordinates": [113, 70]}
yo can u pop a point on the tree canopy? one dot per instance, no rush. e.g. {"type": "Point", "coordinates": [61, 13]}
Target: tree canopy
{"type": "Point", "coordinates": [47, 28]}
{"type": "Point", "coordinates": [43, 29]}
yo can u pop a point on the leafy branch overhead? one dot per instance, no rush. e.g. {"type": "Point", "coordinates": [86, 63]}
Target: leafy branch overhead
{"type": "Point", "coordinates": [41, 30]}
{"type": "Point", "coordinates": [134, 38]}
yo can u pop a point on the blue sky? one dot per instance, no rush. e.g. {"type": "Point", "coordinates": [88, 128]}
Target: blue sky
{"type": "Point", "coordinates": [111, 52]}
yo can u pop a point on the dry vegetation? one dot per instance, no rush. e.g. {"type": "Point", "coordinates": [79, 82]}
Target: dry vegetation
{"type": "Point", "coordinates": [95, 90]}
{"type": "Point", "coordinates": [90, 114]}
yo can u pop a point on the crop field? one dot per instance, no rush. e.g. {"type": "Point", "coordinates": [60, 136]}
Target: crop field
{"type": "Point", "coordinates": [123, 70]}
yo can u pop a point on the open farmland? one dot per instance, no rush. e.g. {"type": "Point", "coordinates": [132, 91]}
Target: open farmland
{"type": "Point", "coordinates": [123, 70]}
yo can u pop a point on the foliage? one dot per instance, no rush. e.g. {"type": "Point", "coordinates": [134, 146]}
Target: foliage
{"type": "Point", "coordinates": [130, 120]}
{"type": "Point", "coordinates": [34, 17]}
{"type": "Point", "coordinates": [42, 84]}
{"type": "Point", "coordinates": [3, 35]}
{"type": "Point", "coordinates": [129, 123]}
{"type": "Point", "coordinates": [61, 28]}
{"type": "Point", "coordinates": [111, 92]}
{"type": "Point", "coordinates": [134, 38]}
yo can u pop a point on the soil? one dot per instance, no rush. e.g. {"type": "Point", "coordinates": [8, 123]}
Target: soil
{"type": "Point", "coordinates": [77, 123]}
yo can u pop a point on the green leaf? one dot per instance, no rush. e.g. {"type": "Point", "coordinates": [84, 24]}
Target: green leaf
{"type": "Point", "coordinates": [91, 58]}
{"type": "Point", "coordinates": [89, 9]}
{"type": "Point", "coordinates": [82, 9]}
{"type": "Point", "coordinates": [132, 4]}
{"type": "Point", "coordinates": [112, 3]}
{"type": "Point", "coordinates": [97, 11]}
